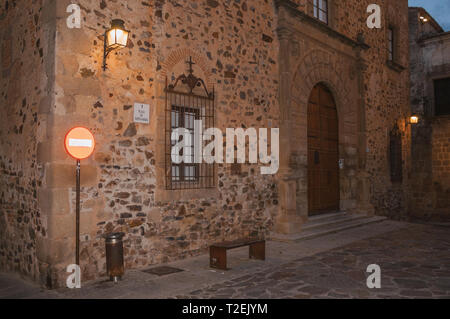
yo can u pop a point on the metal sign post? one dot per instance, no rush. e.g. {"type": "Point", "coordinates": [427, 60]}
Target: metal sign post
{"type": "Point", "coordinates": [79, 143]}
{"type": "Point", "coordinates": [77, 239]}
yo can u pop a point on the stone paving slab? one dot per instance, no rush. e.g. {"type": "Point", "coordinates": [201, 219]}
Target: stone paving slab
{"type": "Point", "coordinates": [414, 259]}
{"type": "Point", "coordinates": [415, 263]}
{"type": "Point", "coordinates": [12, 286]}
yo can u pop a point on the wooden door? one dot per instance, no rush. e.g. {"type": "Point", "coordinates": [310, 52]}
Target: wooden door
{"type": "Point", "coordinates": [323, 152]}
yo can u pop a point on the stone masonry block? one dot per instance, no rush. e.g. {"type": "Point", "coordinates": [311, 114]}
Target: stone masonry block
{"type": "Point", "coordinates": [54, 201]}
{"type": "Point", "coordinates": [61, 226]}
{"type": "Point", "coordinates": [53, 251]}
{"type": "Point", "coordinates": [52, 150]}
{"type": "Point", "coordinates": [79, 86]}
{"type": "Point", "coordinates": [63, 175]}
{"type": "Point", "coordinates": [59, 125]}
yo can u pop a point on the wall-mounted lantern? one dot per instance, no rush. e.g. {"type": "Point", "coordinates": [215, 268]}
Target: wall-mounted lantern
{"type": "Point", "coordinates": [115, 38]}
{"type": "Point", "coordinates": [413, 119]}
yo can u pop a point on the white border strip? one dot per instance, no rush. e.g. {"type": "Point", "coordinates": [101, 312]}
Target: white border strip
{"type": "Point", "coordinates": [80, 143]}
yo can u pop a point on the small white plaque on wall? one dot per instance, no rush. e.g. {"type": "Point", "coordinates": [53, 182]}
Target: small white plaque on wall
{"type": "Point", "coordinates": [141, 113]}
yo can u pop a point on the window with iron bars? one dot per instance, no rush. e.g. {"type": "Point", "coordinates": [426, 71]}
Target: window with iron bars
{"type": "Point", "coordinates": [187, 101]}
{"type": "Point", "coordinates": [321, 10]}
{"type": "Point", "coordinates": [391, 44]}
{"type": "Point", "coordinates": [187, 170]}
{"type": "Point", "coordinates": [395, 155]}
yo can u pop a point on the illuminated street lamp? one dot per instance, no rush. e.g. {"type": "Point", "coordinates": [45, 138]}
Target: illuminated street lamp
{"type": "Point", "coordinates": [116, 38]}
{"type": "Point", "coordinates": [423, 19]}
{"type": "Point", "coordinates": [413, 119]}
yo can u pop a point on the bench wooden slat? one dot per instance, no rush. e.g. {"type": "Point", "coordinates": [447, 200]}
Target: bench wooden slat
{"type": "Point", "coordinates": [237, 243]}
{"type": "Point", "coordinates": [218, 251]}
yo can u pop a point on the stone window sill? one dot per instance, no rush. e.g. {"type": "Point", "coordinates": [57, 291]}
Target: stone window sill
{"type": "Point", "coordinates": [395, 66]}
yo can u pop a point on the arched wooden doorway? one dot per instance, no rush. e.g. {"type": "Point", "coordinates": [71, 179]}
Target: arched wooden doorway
{"type": "Point", "coordinates": [323, 152]}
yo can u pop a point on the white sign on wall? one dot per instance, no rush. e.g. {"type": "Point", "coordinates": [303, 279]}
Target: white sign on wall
{"type": "Point", "coordinates": [141, 113]}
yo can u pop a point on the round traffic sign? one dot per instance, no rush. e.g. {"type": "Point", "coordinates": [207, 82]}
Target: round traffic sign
{"type": "Point", "coordinates": [79, 143]}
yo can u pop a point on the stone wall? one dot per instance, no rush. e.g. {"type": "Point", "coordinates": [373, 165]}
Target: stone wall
{"type": "Point", "coordinates": [235, 49]}
{"type": "Point", "coordinates": [441, 165]}
{"type": "Point", "coordinates": [240, 49]}
{"type": "Point", "coordinates": [387, 105]}
{"type": "Point", "coordinates": [372, 97]}
{"type": "Point", "coordinates": [430, 59]}
{"type": "Point", "coordinates": [316, 57]}
{"type": "Point", "coordinates": [26, 83]}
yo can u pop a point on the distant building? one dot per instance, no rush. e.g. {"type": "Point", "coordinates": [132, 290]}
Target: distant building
{"type": "Point", "coordinates": [430, 99]}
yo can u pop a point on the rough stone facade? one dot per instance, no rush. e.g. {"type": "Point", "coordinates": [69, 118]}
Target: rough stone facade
{"type": "Point", "coordinates": [430, 60]}
{"type": "Point", "coordinates": [26, 85]}
{"type": "Point", "coordinates": [263, 59]}
{"type": "Point", "coordinates": [371, 97]}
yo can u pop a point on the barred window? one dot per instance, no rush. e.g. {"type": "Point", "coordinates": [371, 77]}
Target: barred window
{"type": "Point", "coordinates": [321, 10]}
{"type": "Point", "coordinates": [187, 170]}
{"type": "Point", "coordinates": [395, 155]}
{"type": "Point", "coordinates": [187, 101]}
{"type": "Point", "coordinates": [391, 44]}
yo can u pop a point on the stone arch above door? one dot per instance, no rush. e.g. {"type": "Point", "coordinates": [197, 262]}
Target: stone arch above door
{"type": "Point", "coordinates": [320, 66]}
{"type": "Point", "coordinates": [309, 54]}
{"type": "Point", "coordinates": [337, 73]}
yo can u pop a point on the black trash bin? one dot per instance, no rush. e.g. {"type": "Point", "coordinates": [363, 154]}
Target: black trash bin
{"type": "Point", "coordinates": [114, 256]}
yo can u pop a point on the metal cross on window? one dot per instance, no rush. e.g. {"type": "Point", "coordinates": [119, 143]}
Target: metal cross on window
{"type": "Point", "coordinates": [191, 70]}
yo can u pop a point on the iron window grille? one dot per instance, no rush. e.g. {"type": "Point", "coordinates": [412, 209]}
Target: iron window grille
{"type": "Point", "coordinates": [391, 46]}
{"type": "Point", "coordinates": [395, 155]}
{"type": "Point", "coordinates": [320, 8]}
{"type": "Point", "coordinates": [187, 100]}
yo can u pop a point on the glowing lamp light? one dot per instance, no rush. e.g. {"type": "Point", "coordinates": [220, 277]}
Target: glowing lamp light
{"type": "Point", "coordinates": [423, 19]}
{"type": "Point", "coordinates": [116, 38]}
{"type": "Point", "coordinates": [414, 119]}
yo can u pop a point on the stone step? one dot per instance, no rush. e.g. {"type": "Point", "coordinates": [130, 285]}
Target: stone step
{"type": "Point", "coordinates": [328, 216]}
{"type": "Point", "coordinates": [331, 221]}
{"type": "Point", "coordinates": [327, 229]}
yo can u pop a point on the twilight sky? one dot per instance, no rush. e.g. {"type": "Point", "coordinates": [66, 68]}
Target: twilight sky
{"type": "Point", "coordinates": [439, 9]}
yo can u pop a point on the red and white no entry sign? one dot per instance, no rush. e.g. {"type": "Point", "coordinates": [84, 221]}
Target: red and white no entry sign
{"type": "Point", "coordinates": [79, 143]}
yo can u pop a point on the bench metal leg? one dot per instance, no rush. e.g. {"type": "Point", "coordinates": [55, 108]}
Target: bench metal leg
{"type": "Point", "coordinates": [258, 251]}
{"type": "Point", "coordinates": [218, 258]}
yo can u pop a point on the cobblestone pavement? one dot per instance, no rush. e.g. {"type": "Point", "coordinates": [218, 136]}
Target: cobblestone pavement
{"type": "Point", "coordinates": [415, 263]}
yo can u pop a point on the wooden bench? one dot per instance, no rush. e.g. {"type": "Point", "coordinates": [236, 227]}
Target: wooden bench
{"type": "Point", "coordinates": [218, 251]}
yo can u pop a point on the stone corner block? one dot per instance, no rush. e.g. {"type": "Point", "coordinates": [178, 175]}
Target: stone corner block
{"type": "Point", "coordinates": [54, 201]}
{"type": "Point", "coordinates": [54, 252]}
{"type": "Point", "coordinates": [64, 175]}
